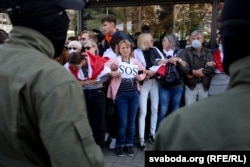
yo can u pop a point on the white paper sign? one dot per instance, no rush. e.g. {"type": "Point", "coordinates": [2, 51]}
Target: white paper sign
{"type": "Point", "coordinates": [128, 70]}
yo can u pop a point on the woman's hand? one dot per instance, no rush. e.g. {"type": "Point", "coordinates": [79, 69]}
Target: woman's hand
{"type": "Point", "coordinates": [114, 67]}
{"type": "Point", "coordinates": [138, 78]}
{"type": "Point", "coordinates": [173, 60]}
{"type": "Point", "coordinates": [114, 74]}
{"type": "Point", "coordinates": [149, 73]}
{"type": "Point", "coordinates": [87, 82]}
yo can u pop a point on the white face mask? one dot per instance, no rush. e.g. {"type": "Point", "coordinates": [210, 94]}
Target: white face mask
{"type": "Point", "coordinates": [196, 43]}
{"type": "Point", "coordinates": [72, 51]}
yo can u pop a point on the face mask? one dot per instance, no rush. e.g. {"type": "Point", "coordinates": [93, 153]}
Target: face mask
{"type": "Point", "coordinates": [72, 51]}
{"type": "Point", "coordinates": [196, 43]}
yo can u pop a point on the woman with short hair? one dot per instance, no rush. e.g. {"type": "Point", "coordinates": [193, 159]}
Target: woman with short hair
{"type": "Point", "coordinates": [94, 73]}
{"type": "Point", "coordinates": [124, 88]}
{"type": "Point", "coordinates": [171, 95]}
{"type": "Point", "coordinates": [148, 56]}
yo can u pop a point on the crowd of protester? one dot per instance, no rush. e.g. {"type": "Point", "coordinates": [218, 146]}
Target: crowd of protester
{"type": "Point", "coordinates": [140, 93]}
{"type": "Point", "coordinates": [123, 81]}
{"type": "Point", "coordinates": [98, 60]}
{"type": "Point", "coordinates": [219, 122]}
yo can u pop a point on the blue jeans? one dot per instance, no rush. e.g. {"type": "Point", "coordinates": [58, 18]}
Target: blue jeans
{"type": "Point", "coordinates": [127, 104]}
{"type": "Point", "coordinates": [167, 96]}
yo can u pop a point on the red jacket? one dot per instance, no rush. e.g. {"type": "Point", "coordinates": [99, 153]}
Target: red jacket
{"type": "Point", "coordinates": [218, 61]}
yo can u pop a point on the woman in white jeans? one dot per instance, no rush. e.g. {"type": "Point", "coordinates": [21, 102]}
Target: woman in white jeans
{"type": "Point", "coordinates": [148, 55]}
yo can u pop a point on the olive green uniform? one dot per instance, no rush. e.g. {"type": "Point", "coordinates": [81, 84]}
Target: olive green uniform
{"type": "Point", "coordinates": [42, 108]}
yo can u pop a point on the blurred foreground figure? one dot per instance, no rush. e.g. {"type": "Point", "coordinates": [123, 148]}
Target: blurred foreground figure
{"type": "Point", "coordinates": [3, 36]}
{"type": "Point", "coordinates": [220, 122]}
{"type": "Point", "coordinates": [42, 109]}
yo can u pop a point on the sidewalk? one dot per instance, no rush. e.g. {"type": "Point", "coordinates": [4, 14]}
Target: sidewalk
{"type": "Point", "coordinates": [138, 160]}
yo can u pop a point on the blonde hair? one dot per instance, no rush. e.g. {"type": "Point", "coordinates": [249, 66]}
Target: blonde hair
{"type": "Point", "coordinates": [142, 41]}
{"type": "Point", "coordinates": [129, 44]}
{"type": "Point", "coordinates": [93, 43]}
{"type": "Point", "coordinates": [92, 35]}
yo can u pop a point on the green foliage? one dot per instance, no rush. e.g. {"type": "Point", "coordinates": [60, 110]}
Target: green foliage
{"type": "Point", "coordinates": [181, 19]}
{"type": "Point", "coordinates": [92, 17]}
{"type": "Point", "coordinates": [190, 18]}
{"type": "Point", "coordinates": [166, 18]}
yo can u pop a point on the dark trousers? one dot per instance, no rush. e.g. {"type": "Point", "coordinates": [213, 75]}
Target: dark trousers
{"type": "Point", "coordinates": [111, 120]}
{"type": "Point", "coordinates": [96, 107]}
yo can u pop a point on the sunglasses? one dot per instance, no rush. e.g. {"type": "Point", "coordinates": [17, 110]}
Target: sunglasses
{"type": "Point", "coordinates": [87, 48]}
{"type": "Point", "coordinates": [69, 48]}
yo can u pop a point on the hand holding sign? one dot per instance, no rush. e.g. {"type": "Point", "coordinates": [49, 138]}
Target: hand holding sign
{"type": "Point", "coordinates": [128, 70]}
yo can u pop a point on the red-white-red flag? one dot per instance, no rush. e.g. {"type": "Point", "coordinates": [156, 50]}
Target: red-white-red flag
{"type": "Point", "coordinates": [96, 66]}
{"type": "Point", "coordinates": [160, 70]}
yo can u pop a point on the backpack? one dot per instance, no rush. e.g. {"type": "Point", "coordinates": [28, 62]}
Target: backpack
{"type": "Point", "coordinates": [171, 77]}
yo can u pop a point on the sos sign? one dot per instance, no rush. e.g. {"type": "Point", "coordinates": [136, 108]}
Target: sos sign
{"type": "Point", "coordinates": [128, 70]}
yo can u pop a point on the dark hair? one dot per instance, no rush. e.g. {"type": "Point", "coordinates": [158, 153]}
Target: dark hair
{"type": "Point", "coordinates": [109, 18]}
{"type": "Point", "coordinates": [3, 36]}
{"type": "Point", "coordinates": [75, 58]}
{"type": "Point", "coordinates": [99, 35]}
{"type": "Point", "coordinates": [135, 39]}
{"type": "Point", "coordinates": [137, 34]}
{"type": "Point", "coordinates": [115, 41]}
{"type": "Point", "coordinates": [72, 38]}
{"type": "Point", "coordinates": [145, 28]}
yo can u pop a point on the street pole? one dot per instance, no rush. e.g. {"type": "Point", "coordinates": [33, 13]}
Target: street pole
{"type": "Point", "coordinates": [79, 21]}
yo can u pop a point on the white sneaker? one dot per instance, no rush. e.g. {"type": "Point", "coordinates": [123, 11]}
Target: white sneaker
{"type": "Point", "coordinates": [142, 145]}
{"type": "Point", "coordinates": [106, 137]}
{"type": "Point", "coordinates": [112, 144]}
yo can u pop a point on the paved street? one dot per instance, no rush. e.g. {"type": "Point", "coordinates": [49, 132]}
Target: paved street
{"type": "Point", "coordinates": [111, 160]}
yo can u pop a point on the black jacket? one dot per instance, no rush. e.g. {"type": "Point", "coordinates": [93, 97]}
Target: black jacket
{"type": "Point", "coordinates": [195, 62]}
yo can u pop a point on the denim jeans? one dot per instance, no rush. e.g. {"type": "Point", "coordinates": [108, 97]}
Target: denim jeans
{"type": "Point", "coordinates": [169, 96]}
{"type": "Point", "coordinates": [127, 104]}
